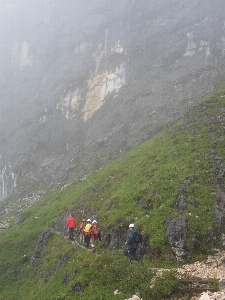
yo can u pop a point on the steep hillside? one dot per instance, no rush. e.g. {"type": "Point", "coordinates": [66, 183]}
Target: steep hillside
{"type": "Point", "coordinates": [84, 82]}
{"type": "Point", "coordinates": [171, 187]}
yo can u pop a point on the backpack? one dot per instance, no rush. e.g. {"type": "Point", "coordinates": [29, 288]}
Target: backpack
{"type": "Point", "coordinates": [138, 238]}
{"type": "Point", "coordinates": [82, 225]}
{"type": "Point", "coordinates": [95, 229]}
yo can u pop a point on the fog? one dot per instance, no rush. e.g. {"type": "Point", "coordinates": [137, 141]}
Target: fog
{"type": "Point", "coordinates": [83, 82]}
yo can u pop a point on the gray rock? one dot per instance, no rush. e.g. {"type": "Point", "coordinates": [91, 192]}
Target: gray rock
{"type": "Point", "coordinates": [43, 239]}
{"type": "Point", "coordinates": [221, 264]}
{"type": "Point", "coordinates": [66, 278]}
{"type": "Point", "coordinates": [77, 287]}
{"type": "Point", "coordinates": [219, 217]}
{"type": "Point", "coordinates": [19, 219]}
{"type": "Point", "coordinates": [222, 283]}
{"type": "Point", "coordinates": [180, 203]}
{"type": "Point", "coordinates": [97, 80]}
{"type": "Point", "coordinates": [176, 234]}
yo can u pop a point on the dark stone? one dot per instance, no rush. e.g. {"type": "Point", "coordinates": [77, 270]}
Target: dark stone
{"type": "Point", "coordinates": [171, 257]}
{"type": "Point", "coordinates": [180, 203]}
{"type": "Point", "coordinates": [219, 217]}
{"type": "Point", "coordinates": [154, 253]}
{"type": "Point", "coordinates": [63, 259]}
{"type": "Point", "coordinates": [66, 278]}
{"type": "Point", "coordinates": [212, 236]}
{"type": "Point", "coordinates": [108, 239]}
{"type": "Point", "coordinates": [43, 239]}
{"type": "Point", "coordinates": [220, 192]}
{"type": "Point", "coordinates": [211, 132]}
{"type": "Point", "coordinates": [176, 234]}
{"type": "Point", "coordinates": [184, 185]}
{"type": "Point", "coordinates": [168, 220]}
{"type": "Point", "coordinates": [195, 203]}
{"type": "Point", "coordinates": [78, 287]}
{"type": "Point", "coordinates": [141, 200]}
{"type": "Point", "coordinates": [19, 219]}
{"type": "Point", "coordinates": [222, 283]}
{"type": "Point", "coordinates": [155, 192]}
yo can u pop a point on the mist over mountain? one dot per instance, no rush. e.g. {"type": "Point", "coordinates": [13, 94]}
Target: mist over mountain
{"type": "Point", "coordinates": [83, 82]}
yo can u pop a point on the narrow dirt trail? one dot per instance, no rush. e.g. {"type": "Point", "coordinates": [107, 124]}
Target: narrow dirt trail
{"type": "Point", "coordinates": [74, 242]}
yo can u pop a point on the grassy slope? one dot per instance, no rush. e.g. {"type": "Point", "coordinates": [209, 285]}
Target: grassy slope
{"type": "Point", "coordinates": [141, 187]}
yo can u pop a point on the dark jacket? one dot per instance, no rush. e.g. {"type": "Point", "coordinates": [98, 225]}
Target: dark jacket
{"type": "Point", "coordinates": [131, 243]}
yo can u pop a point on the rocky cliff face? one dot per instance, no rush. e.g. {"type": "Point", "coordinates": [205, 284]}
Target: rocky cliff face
{"type": "Point", "coordinates": [82, 82]}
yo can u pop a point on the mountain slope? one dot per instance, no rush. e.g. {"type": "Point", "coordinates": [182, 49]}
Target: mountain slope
{"type": "Point", "coordinates": [171, 187]}
{"type": "Point", "coordinates": [83, 82]}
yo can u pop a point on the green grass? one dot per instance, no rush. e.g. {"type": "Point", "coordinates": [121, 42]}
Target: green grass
{"type": "Point", "coordinates": [140, 187]}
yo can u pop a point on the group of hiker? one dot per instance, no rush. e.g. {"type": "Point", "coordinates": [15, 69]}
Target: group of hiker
{"type": "Point", "coordinates": [88, 230]}
{"type": "Point", "coordinates": [90, 234]}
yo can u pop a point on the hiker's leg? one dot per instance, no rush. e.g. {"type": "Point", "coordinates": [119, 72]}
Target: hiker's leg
{"type": "Point", "coordinates": [70, 233]}
{"type": "Point", "coordinates": [81, 238]}
{"type": "Point", "coordinates": [71, 230]}
{"type": "Point", "coordinates": [93, 243]}
{"type": "Point", "coordinates": [130, 254]}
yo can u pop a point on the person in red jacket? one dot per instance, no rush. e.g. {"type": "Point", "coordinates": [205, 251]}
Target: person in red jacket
{"type": "Point", "coordinates": [71, 223]}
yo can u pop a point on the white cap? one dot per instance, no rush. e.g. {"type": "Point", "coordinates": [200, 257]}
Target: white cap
{"type": "Point", "coordinates": [131, 225]}
{"type": "Point", "coordinates": [94, 221]}
{"type": "Point", "coordinates": [88, 220]}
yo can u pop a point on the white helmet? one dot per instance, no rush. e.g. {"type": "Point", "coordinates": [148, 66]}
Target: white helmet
{"type": "Point", "coordinates": [88, 220]}
{"type": "Point", "coordinates": [131, 226]}
{"type": "Point", "coordinates": [94, 221]}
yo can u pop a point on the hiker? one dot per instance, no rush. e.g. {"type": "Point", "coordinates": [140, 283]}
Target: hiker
{"type": "Point", "coordinates": [95, 235]}
{"type": "Point", "coordinates": [81, 231]}
{"type": "Point", "coordinates": [71, 223]}
{"type": "Point", "coordinates": [87, 233]}
{"type": "Point", "coordinates": [131, 244]}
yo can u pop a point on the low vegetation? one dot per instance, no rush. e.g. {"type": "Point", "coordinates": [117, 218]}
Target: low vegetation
{"type": "Point", "coordinates": [140, 187]}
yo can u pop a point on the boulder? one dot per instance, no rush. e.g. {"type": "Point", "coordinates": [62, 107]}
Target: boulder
{"type": "Point", "coordinates": [176, 234]}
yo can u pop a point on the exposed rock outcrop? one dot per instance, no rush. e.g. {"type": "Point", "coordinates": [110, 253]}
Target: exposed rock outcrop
{"type": "Point", "coordinates": [176, 234]}
{"type": "Point", "coordinates": [19, 219]}
{"type": "Point", "coordinates": [181, 201]}
{"type": "Point", "coordinates": [43, 239]}
{"type": "Point", "coordinates": [106, 78]}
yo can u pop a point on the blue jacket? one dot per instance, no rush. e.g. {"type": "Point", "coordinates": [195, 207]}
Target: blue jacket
{"type": "Point", "coordinates": [131, 243]}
